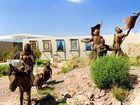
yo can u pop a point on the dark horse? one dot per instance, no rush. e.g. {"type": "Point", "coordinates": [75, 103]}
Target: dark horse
{"type": "Point", "coordinates": [43, 77]}
{"type": "Point", "coordinates": [22, 80]}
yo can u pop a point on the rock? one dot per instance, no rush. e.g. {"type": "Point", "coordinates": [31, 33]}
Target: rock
{"type": "Point", "coordinates": [96, 93]}
{"type": "Point", "coordinates": [96, 96]}
{"type": "Point", "coordinates": [136, 101]}
{"type": "Point", "coordinates": [99, 103]}
{"type": "Point", "coordinates": [71, 101]}
{"type": "Point", "coordinates": [72, 93]}
{"type": "Point", "coordinates": [108, 102]}
{"type": "Point", "coordinates": [67, 96]}
{"type": "Point", "coordinates": [91, 103]}
{"type": "Point", "coordinates": [116, 102]}
{"type": "Point", "coordinates": [87, 103]}
{"type": "Point", "coordinates": [102, 93]}
{"type": "Point", "coordinates": [90, 96]}
{"type": "Point", "coordinates": [81, 98]}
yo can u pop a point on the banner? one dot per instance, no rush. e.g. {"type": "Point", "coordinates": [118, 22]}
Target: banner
{"type": "Point", "coordinates": [130, 21]}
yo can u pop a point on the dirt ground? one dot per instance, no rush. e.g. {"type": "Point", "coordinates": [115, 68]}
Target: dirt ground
{"type": "Point", "coordinates": [7, 97]}
{"type": "Point", "coordinates": [12, 98]}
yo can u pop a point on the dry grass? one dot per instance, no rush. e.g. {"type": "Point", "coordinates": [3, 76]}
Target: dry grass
{"type": "Point", "coordinates": [135, 61]}
{"type": "Point", "coordinates": [73, 63]}
{"type": "Point", "coordinates": [119, 93]}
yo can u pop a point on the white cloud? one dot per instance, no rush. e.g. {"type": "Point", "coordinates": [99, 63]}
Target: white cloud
{"type": "Point", "coordinates": [75, 1]}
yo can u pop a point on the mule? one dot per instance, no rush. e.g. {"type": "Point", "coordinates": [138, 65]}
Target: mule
{"type": "Point", "coordinates": [22, 80]}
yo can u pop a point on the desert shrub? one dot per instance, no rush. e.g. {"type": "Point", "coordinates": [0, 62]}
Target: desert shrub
{"type": "Point", "coordinates": [119, 93]}
{"type": "Point", "coordinates": [63, 103]}
{"type": "Point", "coordinates": [42, 62]}
{"type": "Point", "coordinates": [37, 54]}
{"type": "Point", "coordinates": [75, 62]}
{"type": "Point", "coordinates": [54, 65]}
{"type": "Point", "coordinates": [66, 68]}
{"type": "Point", "coordinates": [138, 57]}
{"type": "Point", "coordinates": [3, 70]}
{"type": "Point", "coordinates": [110, 70]}
{"type": "Point", "coordinates": [135, 61]}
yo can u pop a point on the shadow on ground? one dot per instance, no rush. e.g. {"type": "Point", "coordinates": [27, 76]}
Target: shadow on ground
{"type": "Point", "coordinates": [46, 100]}
{"type": "Point", "coordinates": [54, 82]}
{"type": "Point", "coordinates": [44, 94]}
{"type": "Point", "coordinates": [133, 79]}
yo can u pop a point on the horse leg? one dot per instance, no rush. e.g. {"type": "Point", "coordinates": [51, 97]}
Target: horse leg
{"type": "Point", "coordinates": [29, 97]}
{"type": "Point", "coordinates": [21, 97]}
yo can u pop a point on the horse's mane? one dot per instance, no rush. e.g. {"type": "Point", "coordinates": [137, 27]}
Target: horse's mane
{"type": "Point", "coordinates": [20, 72]}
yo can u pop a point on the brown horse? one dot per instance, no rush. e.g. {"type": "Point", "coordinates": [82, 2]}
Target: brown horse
{"type": "Point", "coordinates": [43, 77]}
{"type": "Point", "coordinates": [47, 71]}
{"type": "Point", "coordinates": [22, 80]}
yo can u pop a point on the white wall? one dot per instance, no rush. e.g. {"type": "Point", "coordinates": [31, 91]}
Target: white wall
{"type": "Point", "coordinates": [69, 54]}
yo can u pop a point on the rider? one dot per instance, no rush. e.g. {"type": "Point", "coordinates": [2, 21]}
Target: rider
{"type": "Point", "coordinates": [27, 58]}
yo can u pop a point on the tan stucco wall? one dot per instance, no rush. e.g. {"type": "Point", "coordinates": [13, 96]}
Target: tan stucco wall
{"type": "Point", "coordinates": [131, 39]}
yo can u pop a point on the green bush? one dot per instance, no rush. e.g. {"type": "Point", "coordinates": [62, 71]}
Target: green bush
{"type": "Point", "coordinates": [3, 70]}
{"type": "Point", "coordinates": [42, 62]}
{"type": "Point", "coordinates": [110, 71]}
{"type": "Point", "coordinates": [119, 93]}
{"type": "Point", "coordinates": [63, 103]}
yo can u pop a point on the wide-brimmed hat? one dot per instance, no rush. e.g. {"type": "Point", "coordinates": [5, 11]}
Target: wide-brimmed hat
{"type": "Point", "coordinates": [98, 26]}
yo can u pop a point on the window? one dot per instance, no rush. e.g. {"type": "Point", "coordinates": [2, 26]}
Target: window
{"type": "Point", "coordinates": [60, 45]}
{"type": "Point", "coordinates": [74, 45]}
{"type": "Point", "coordinates": [47, 45]}
{"type": "Point", "coordinates": [88, 46]}
{"type": "Point", "coordinates": [33, 45]}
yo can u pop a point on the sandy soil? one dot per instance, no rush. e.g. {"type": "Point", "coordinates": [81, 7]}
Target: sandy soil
{"type": "Point", "coordinates": [12, 98]}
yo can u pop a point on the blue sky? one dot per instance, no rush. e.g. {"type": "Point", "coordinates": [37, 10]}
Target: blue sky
{"type": "Point", "coordinates": [64, 17]}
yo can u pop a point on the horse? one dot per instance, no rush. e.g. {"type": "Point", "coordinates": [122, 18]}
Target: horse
{"type": "Point", "coordinates": [43, 77]}
{"type": "Point", "coordinates": [22, 80]}
{"type": "Point", "coordinates": [38, 81]}
{"type": "Point", "coordinates": [47, 71]}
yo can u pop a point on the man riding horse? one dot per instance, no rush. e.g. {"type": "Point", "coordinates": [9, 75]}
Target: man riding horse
{"type": "Point", "coordinates": [27, 58]}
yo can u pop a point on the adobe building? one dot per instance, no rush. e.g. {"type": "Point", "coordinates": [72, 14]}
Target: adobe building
{"type": "Point", "coordinates": [69, 47]}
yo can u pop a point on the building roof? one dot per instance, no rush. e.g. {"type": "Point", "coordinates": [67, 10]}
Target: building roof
{"type": "Point", "coordinates": [18, 37]}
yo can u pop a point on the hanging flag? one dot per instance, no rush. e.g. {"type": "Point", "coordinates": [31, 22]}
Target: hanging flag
{"type": "Point", "coordinates": [130, 21]}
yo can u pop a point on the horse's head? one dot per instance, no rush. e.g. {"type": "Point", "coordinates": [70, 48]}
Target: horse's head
{"type": "Point", "coordinates": [48, 65]}
{"type": "Point", "coordinates": [12, 74]}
